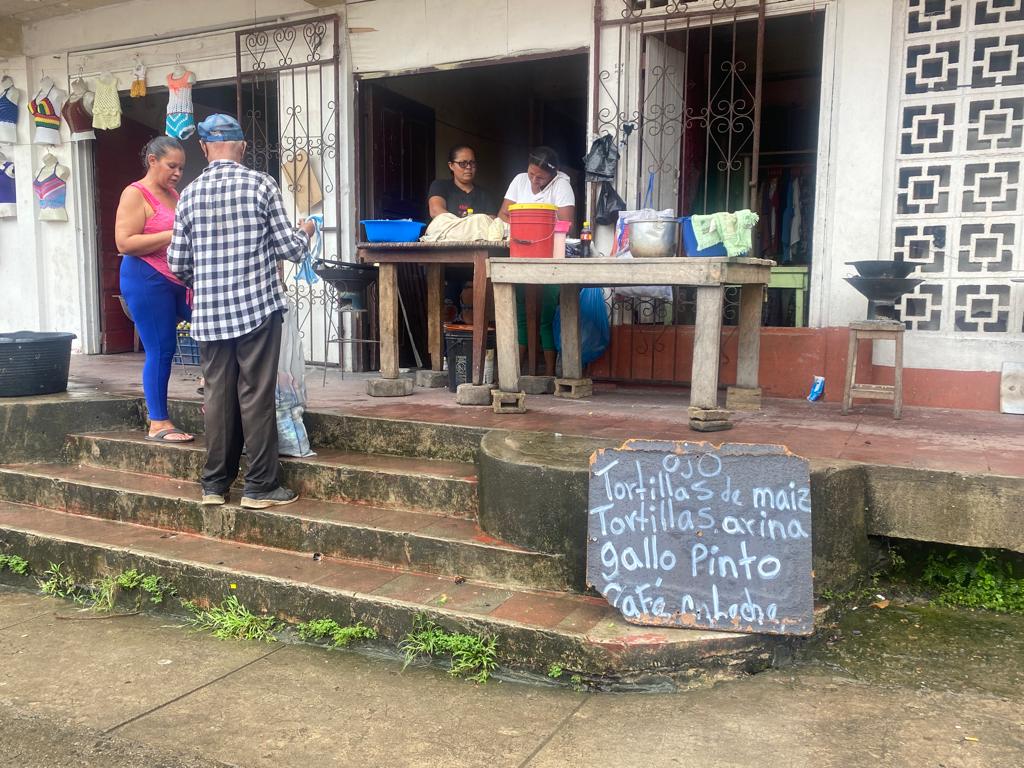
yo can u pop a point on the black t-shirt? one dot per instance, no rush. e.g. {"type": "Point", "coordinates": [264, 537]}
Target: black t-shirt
{"type": "Point", "coordinates": [459, 202]}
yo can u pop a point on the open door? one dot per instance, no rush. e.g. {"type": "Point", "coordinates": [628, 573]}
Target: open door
{"type": "Point", "coordinates": [662, 127]}
{"type": "Point", "coordinates": [398, 155]}
{"type": "Point", "coordinates": [117, 165]}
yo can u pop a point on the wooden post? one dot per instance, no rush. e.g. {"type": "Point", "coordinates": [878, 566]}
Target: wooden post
{"type": "Point", "coordinates": [532, 308]}
{"type": "Point", "coordinates": [508, 336]}
{"type": "Point", "coordinates": [388, 283]}
{"type": "Point", "coordinates": [707, 339]}
{"type": "Point", "coordinates": [749, 357]}
{"type": "Point", "coordinates": [897, 395]}
{"type": "Point", "coordinates": [572, 367]}
{"type": "Point", "coordinates": [851, 371]}
{"type": "Point", "coordinates": [479, 316]}
{"type": "Point", "coordinates": [435, 293]}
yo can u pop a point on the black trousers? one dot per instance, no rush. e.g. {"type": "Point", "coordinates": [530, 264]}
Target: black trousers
{"type": "Point", "coordinates": [240, 382]}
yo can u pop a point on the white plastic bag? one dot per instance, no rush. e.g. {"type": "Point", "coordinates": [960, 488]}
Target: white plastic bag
{"type": "Point", "coordinates": [290, 397]}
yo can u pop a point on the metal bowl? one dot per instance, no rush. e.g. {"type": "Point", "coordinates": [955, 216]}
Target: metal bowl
{"type": "Point", "coordinates": [654, 238]}
{"type": "Point", "coordinates": [875, 268]}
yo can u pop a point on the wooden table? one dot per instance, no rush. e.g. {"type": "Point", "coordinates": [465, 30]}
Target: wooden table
{"type": "Point", "coordinates": [709, 275]}
{"type": "Point", "coordinates": [434, 256]}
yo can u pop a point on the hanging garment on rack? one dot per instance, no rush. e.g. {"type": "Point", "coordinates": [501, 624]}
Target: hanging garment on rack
{"type": "Point", "coordinates": [45, 111]}
{"type": "Point", "coordinates": [180, 122]}
{"type": "Point", "coordinates": [8, 194]}
{"type": "Point", "coordinates": [796, 224]}
{"type": "Point", "coordinates": [51, 192]}
{"type": "Point", "coordinates": [106, 109]}
{"type": "Point", "coordinates": [78, 119]}
{"type": "Point", "coordinates": [138, 89]}
{"type": "Point", "coordinates": [8, 117]}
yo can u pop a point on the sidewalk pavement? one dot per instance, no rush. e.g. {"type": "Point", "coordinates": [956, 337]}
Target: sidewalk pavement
{"type": "Point", "coordinates": [84, 689]}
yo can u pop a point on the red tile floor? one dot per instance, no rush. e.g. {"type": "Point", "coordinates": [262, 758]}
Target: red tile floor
{"type": "Point", "coordinates": [972, 442]}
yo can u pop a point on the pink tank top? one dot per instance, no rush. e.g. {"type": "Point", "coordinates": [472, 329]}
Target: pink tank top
{"type": "Point", "coordinates": [162, 220]}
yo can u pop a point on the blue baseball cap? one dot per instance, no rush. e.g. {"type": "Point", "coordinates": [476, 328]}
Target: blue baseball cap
{"type": "Point", "coordinates": [220, 128]}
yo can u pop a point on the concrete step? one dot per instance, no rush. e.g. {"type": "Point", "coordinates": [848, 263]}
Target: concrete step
{"type": "Point", "coordinates": [431, 485]}
{"type": "Point", "coordinates": [423, 541]}
{"type": "Point", "coordinates": [533, 628]}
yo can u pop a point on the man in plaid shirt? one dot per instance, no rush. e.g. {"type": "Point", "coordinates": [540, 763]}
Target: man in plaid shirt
{"type": "Point", "coordinates": [230, 232]}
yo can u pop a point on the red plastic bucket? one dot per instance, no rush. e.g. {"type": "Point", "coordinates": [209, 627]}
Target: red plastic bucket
{"type": "Point", "coordinates": [531, 230]}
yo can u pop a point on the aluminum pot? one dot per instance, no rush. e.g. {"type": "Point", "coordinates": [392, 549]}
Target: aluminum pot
{"type": "Point", "coordinates": [654, 238]}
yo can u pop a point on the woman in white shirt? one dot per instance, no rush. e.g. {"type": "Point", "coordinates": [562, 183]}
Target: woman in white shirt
{"type": "Point", "coordinates": [542, 183]}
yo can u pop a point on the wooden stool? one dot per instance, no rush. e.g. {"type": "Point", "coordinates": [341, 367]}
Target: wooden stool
{"type": "Point", "coordinates": [885, 330]}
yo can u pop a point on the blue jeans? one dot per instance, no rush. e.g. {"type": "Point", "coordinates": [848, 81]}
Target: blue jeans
{"type": "Point", "coordinates": [156, 305]}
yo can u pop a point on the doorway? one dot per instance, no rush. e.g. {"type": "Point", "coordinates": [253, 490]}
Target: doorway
{"type": "Point", "coordinates": [408, 124]}
{"type": "Point", "coordinates": [118, 163]}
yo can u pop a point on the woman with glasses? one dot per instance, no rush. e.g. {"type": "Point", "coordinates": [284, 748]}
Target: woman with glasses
{"type": "Point", "coordinates": [459, 194]}
{"type": "Point", "coordinates": [542, 183]}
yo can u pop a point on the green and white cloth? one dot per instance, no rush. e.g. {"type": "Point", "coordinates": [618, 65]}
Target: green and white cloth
{"type": "Point", "coordinates": [733, 230]}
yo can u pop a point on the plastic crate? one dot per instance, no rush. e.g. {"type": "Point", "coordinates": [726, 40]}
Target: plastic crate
{"type": "Point", "coordinates": [690, 242]}
{"type": "Point", "coordinates": [392, 230]}
{"type": "Point", "coordinates": [458, 342]}
{"type": "Point", "coordinates": [188, 350]}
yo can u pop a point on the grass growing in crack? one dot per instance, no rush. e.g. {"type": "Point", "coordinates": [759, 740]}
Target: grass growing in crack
{"type": "Point", "coordinates": [555, 670]}
{"type": "Point", "coordinates": [232, 621]}
{"type": "Point", "coordinates": [339, 636]}
{"type": "Point", "coordinates": [983, 583]}
{"type": "Point", "coordinates": [57, 583]}
{"type": "Point", "coordinates": [15, 564]}
{"type": "Point", "coordinates": [470, 655]}
{"type": "Point", "coordinates": [151, 584]}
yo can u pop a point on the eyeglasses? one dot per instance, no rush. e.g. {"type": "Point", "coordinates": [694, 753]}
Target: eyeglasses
{"type": "Point", "coordinates": [464, 164]}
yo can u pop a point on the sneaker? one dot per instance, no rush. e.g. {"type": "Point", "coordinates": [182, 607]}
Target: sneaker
{"type": "Point", "coordinates": [211, 499]}
{"type": "Point", "coordinates": [275, 498]}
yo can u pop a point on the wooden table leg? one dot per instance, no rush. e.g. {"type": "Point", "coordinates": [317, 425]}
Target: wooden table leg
{"type": "Point", "coordinates": [387, 280]}
{"type": "Point", "coordinates": [707, 339]}
{"type": "Point", "coordinates": [572, 368]}
{"type": "Point", "coordinates": [508, 336]}
{"type": "Point", "coordinates": [532, 331]}
{"type": "Point", "coordinates": [749, 353]}
{"type": "Point", "coordinates": [435, 303]}
{"type": "Point", "coordinates": [479, 316]}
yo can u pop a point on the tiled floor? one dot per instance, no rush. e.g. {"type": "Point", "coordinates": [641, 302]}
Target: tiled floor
{"type": "Point", "coordinates": [929, 438]}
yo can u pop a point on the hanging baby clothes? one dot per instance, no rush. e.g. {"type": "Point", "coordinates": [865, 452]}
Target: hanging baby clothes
{"type": "Point", "coordinates": [106, 109]}
{"type": "Point", "coordinates": [45, 111]}
{"type": "Point", "coordinates": [180, 122]}
{"type": "Point", "coordinates": [733, 230]}
{"type": "Point", "coordinates": [138, 81]}
{"type": "Point", "coordinates": [51, 192]}
{"type": "Point", "coordinates": [8, 196]}
{"type": "Point", "coordinates": [8, 116]}
{"type": "Point", "coordinates": [78, 117]}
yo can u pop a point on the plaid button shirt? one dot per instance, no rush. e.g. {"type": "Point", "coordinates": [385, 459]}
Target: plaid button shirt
{"type": "Point", "coordinates": [230, 230]}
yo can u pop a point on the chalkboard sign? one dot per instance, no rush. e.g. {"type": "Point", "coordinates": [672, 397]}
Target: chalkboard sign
{"type": "Point", "coordinates": [693, 535]}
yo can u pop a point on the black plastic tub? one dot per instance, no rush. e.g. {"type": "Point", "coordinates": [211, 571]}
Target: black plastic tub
{"type": "Point", "coordinates": [34, 363]}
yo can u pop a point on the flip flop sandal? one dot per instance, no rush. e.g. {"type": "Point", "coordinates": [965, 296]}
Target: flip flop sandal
{"type": "Point", "coordinates": [161, 436]}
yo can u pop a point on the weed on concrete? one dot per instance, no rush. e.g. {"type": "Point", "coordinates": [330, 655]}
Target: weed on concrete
{"type": "Point", "coordinates": [469, 655]}
{"type": "Point", "coordinates": [337, 635]}
{"type": "Point", "coordinates": [233, 621]}
{"type": "Point", "coordinates": [15, 564]}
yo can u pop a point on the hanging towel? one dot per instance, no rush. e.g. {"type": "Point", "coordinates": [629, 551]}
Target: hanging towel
{"type": "Point", "coordinates": [316, 249]}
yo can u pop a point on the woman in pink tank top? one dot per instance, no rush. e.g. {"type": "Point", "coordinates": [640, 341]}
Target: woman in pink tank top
{"type": "Point", "coordinates": [156, 298]}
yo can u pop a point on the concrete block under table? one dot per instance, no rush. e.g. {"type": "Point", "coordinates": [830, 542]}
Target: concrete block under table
{"type": "Point", "coordinates": [709, 419]}
{"type": "Point", "coordinates": [574, 389]}
{"type": "Point", "coordinates": [389, 387]}
{"type": "Point", "coordinates": [432, 379]}
{"type": "Point", "coordinates": [537, 385]}
{"type": "Point", "coordinates": [508, 402]}
{"type": "Point", "coordinates": [743, 398]}
{"type": "Point", "coordinates": [473, 394]}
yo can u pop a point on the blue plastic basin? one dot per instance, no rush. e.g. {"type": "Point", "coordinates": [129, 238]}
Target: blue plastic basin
{"type": "Point", "coordinates": [392, 230]}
